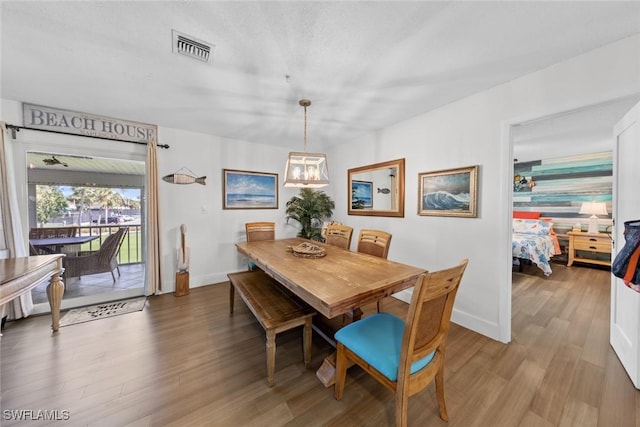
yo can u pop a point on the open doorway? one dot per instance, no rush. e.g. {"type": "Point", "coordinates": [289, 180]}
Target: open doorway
{"type": "Point", "coordinates": [90, 198]}
{"type": "Point", "coordinates": [576, 132]}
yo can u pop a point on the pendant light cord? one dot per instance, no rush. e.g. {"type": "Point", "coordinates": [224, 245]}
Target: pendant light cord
{"type": "Point", "coordinates": [305, 128]}
{"type": "Point", "coordinates": [305, 103]}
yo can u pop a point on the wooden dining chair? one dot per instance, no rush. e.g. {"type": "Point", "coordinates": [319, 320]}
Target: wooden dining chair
{"type": "Point", "coordinates": [404, 355]}
{"type": "Point", "coordinates": [256, 231]}
{"type": "Point", "coordinates": [374, 242]}
{"type": "Point", "coordinates": [260, 231]}
{"type": "Point", "coordinates": [339, 235]}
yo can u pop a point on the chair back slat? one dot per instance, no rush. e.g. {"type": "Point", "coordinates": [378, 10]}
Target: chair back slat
{"type": "Point", "coordinates": [374, 242]}
{"type": "Point", "coordinates": [339, 235]}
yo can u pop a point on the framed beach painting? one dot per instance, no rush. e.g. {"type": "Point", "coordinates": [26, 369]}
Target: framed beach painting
{"type": "Point", "coordinates": [361, 194]}
{"type": "Point", "coordinates": [450, 192]}
{"type": "Point", "coordinates": [249, 190]}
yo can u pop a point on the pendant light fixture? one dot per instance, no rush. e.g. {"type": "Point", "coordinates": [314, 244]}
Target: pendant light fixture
{"type": "Point", "coordinates": [306, 169]}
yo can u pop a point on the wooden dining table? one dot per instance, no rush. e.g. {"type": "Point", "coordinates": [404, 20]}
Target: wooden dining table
{"type": "Point", "coordinates": [338, 283]}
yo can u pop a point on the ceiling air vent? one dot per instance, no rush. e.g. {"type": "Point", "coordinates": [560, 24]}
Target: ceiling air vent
{"type": "Point", "coordinates": [189, 46]}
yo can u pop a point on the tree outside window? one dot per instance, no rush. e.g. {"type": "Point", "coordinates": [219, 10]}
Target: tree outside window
{"type": "Point", "coordinates": [50, 203]}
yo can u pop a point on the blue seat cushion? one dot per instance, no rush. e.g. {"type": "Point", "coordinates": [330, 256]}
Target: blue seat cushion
{"type": "Point", "coordinates": [377, 339]}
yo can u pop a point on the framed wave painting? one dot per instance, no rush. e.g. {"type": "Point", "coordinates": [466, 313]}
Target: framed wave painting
{"type": "Point", "coordinates": [450, 192]}
{"type": "Point", "coordinates": [249, 190]}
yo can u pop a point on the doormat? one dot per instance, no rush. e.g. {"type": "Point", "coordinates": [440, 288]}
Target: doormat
{"type": "Point", "coordinates": [102, 311]}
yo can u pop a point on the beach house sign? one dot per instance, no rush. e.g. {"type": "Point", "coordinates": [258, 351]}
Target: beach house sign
{"type": "Point", "coordinates": [71, 122]}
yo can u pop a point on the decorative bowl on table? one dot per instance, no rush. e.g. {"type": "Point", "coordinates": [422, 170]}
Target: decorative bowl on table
{"type": "Point", "coordinates": [308, 250]}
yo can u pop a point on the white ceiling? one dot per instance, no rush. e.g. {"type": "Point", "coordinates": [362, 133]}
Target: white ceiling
{"type": "Point", "coordinates": [75, 163]}
{"type": "Point", "coordinates": [584, 130]}
{"type": "Point", "coordinates": [364, 65]}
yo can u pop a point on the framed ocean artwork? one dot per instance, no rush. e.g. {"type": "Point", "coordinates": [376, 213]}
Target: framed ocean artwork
{"type": "Point", "coordinates": [249, 190]}
{"type": "Point", "coordinates": [450, 192]}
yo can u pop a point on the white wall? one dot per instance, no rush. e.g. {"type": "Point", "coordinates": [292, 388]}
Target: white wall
{"type": "Point", "coordinates": [470, 132]}
{"type": "Point", "coordinates": [467, 132]}
{"type": "Point", "coordinates": [211, 231]}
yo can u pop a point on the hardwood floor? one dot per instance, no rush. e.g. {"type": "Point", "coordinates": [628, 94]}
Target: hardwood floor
{"type": "Point", "coordinates": [184, 362]}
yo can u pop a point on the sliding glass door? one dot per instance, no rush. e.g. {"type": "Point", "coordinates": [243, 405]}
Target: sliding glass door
{"type": "Point", "coordinates": [89, 198]}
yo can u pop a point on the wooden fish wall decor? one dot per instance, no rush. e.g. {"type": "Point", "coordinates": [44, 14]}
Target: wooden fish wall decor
{"type": "Point", "coordinates": [184, 176]}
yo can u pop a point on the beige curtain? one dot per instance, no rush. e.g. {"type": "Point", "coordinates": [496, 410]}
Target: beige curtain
{"type": "Point", "coordinates": [153, 222]}
{"type": "Point", "coordinates": [11, 226]}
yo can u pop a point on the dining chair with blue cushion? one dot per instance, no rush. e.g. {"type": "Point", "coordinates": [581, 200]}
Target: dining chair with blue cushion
{"type": "Point", "coordinates": [404, 355]}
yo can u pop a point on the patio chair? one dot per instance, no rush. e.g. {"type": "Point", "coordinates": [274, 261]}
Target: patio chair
{"type": "Point", "coordinates": [101, 261]}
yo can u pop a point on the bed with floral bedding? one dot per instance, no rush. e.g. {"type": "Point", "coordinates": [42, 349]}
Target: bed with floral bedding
{"type": "Point", "coordinates": [534, 240]}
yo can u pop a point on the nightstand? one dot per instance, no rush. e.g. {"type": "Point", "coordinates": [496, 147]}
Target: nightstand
{"type": "Point", "coordinates": [596, 243]}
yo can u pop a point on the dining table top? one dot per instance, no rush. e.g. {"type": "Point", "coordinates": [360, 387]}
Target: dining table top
{"type": "Point", "coordinates": [335, 284]}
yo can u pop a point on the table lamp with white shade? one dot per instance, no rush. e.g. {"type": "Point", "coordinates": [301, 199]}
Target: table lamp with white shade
{"type": "Point", "coordinates": [595, 209]}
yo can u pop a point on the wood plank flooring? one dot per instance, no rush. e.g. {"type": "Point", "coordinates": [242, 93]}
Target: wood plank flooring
{"type": "Point", "coordinates": [184, 362]}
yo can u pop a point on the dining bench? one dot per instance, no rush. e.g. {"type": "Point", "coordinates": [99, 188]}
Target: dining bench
{"type": "Point", "coordinates": [275, 309]}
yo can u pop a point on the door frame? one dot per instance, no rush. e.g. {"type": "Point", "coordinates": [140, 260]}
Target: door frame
{"type": "Point", "coordinates": [506, 191]}
{"type": "Point", "coordinates": [624, 329]}
{"type": "Point", "coordinates": [33, 140]}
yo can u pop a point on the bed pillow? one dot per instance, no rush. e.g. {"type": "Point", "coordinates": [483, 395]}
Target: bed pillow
{"type": "Point", "coordinates": [532, 226]}
{"type": "Point", "coordinates": [550, 221]}
{"type": "Point", "coordinates": [526, 215]}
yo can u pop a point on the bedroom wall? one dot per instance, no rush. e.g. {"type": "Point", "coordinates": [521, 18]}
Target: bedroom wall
{"type": "Point", "coordinates": [558, 186]}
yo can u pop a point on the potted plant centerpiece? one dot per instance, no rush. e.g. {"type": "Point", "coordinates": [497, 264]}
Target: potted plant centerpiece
{"type": "Point", "coordinates": [310, 208]}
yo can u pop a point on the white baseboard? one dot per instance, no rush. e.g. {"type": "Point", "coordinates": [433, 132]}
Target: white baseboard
{"type": "Point", "coordinates": [476, 324]}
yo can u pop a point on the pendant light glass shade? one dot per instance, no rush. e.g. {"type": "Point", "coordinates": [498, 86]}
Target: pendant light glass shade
{"type": "Point", "coordinates": [306, 169]}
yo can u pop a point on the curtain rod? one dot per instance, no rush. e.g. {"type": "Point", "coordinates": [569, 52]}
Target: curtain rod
{"type": "Point", "coordinates": [14, 129]}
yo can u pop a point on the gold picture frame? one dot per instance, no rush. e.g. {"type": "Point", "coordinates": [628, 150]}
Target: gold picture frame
{"type": "Point", "coordinates": [249, 190]}
{"type": "Point", "coordinates": [449, 192]}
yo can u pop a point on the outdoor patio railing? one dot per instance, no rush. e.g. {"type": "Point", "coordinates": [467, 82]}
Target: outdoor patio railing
{"type": "Point", "coordinates": [131, 249]}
